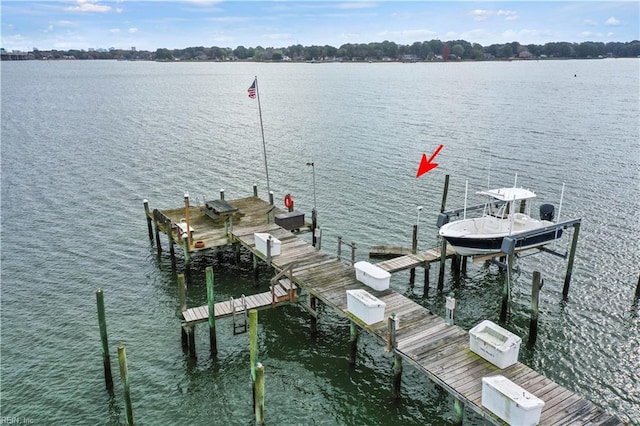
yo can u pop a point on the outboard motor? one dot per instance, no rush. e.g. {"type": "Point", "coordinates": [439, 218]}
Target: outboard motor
{"type": "Point", "coordinates": [547, 212]}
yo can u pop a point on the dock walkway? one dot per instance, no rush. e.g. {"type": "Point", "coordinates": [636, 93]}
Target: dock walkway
{"type": "Point", "coordinates": [438, 350]}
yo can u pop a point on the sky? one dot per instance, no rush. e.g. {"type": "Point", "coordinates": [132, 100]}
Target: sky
{"type": "Point", "coordinates": [172, 24]}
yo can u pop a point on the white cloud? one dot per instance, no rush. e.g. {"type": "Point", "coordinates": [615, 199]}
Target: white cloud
{"type": "Point", "coordinates": [133, 30]}
{"type": "Point", "coordinates": [114, 30]}
{"type": "Point", "coordinates": [89, 6]}
{"type": "Point", "coordinates": [610, 34]}
{"type": "Point", "coordinates": [480, 15]}
{"type": "Point", "coordinates": [590, 22]}
{"type": "Point", "coordinates": [509, 15]}
{"type": "Point", "coordinates": [612, 22]}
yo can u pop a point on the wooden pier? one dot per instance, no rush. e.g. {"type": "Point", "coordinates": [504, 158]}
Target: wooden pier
{"type": "Point", "coordinates": [424, 340]}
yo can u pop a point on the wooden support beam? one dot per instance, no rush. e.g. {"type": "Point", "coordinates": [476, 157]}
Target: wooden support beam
{"type": "Point", "coordinates": [157, 231]}
{"type": "Point", "coordinates": [443, 259]}
{"type": "Point", "coordinates": [106, 359]}
{"type": "Point", "coordinates": [148, 216]}
{"type": "Point", "coordinates": [172, 251]}
{"type": "Point", "coordinates": [259, 394]}
{"type": "Point", "coordinates": [536, 285]}
{"type": "Point", "coordinates": [213, 342]}
{"type": "Point", "coordinates": [506, 288]}
{"type": "Point", "coordinates": [124, 374]}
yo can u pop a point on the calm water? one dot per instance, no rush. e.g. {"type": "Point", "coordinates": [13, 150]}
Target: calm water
{"type": "Point", "coordinates": [83, 143]}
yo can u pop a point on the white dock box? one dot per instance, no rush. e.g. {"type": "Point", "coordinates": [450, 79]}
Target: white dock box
{"type": "Point", "coordinates": [261, 243]}
{"type": "Point", "coordinates": [495, 344]}
{"type": "Point", "coordinates": [365, 306]}
{"type": "Point", "coordinates": [372, 275]}
{"type": "Point", "coordinates": [510, 402]}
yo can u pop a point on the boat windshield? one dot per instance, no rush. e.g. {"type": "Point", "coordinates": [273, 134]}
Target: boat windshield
{"type": "Point", "coordinates": [499, 210]}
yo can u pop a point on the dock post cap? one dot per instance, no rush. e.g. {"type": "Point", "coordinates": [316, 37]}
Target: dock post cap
{"type": "Point", "coordinates": [186, 194]}
{"type": "Point", "coordinates": [419, 208]}
{"type": "Point", "coordinates": [145, 201]}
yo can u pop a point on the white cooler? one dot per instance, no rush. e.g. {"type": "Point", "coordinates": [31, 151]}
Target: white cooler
{"type": "Point", "coordinates": [510, 402]}
{"type": "Point", "coordinates": [372, 275]}
{"type": "Point", "coordinates": [262, 238]}
{"type": "Point", "coordinates": [365, 306]}
{"type": "Point", "coordinates": [495, 344]}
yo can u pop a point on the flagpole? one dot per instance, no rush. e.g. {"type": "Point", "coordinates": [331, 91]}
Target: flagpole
{"type": "Point", "coordinates": [264, 146]}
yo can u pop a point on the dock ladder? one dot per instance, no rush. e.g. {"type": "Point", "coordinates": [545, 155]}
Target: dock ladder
{"type": "Point", "coordinates": [239, 311]}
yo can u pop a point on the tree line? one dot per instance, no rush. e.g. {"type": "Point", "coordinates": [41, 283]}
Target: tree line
{"type": "Point", "coordinates": [379, 51]}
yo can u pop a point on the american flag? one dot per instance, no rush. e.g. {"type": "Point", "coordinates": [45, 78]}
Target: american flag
{"type": "Point", "coordinates": [252, 90]}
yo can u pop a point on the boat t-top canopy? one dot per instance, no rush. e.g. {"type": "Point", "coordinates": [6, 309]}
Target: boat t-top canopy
{"type": "Point", "coordinates": [509, 194]}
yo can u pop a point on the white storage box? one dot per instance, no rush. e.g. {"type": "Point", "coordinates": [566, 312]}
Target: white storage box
{"type": "Point", "coordinates": [495, 344]}
{"type": "Point", "coordinates": [372, 275]}
{"type": "Point", "coordinates": [262, 238]}
{"type": "Point", "coordinates": [510, 402]}
{"type": "Point", "coordinates": [365, 306]}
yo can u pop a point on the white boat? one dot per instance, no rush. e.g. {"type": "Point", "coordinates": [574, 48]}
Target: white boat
{"type": "Point", "coordinates": [484, 235]}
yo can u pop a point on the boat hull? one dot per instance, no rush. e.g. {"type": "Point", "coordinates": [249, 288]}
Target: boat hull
{"type": "Point", "coordinates": [470, 246]}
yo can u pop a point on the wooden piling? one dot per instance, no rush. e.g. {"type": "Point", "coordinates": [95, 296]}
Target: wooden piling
{"type": "Point", "coordinates": [444, 193]}
{"type": "Point", "coordinates": [187, 220]}
{"type": "Point", "coordinates": [172, 251]}
{"type": "Point", "coordinates": [271, 197]}
{"type": "Point", "coordinates": [572, 256]}
{"type": "Point", "coordinates": [464, 265]}
{"type": "Point", "coordinates": [536, 285]}
{"type": "Point", "coordinates": [106, 359]}
{"type": "Point", "coordinates": [443, 260]}
{"type": "Point", "coordinates": [414, 250]}
{"type": "Point", "coordinates": [213, 342]}
{"type": "Point", "coordinates": [191, 341]}
{"type": "Point", "coordinates": [255, 190]}
{"type": "Point", "coordinates": [313, 301]}
{"type": "Point", "coordinates": [187, 258]}
{"type": "Point", "coordinates": [353, 342]}
{"type": "Point", "coordinates": [124, 374]}
{"type": "Point", "coordinates": [182, 298]}
{"type": "Point", "coordinates": [504, 309]}
{"type": "Point", "coordinates": [638, 289]}
{"type": "Point", "coordinates": [314, 226]}
{"type": "Point", "coordinates": [455, 266]}
{"type": "Point", "coordinates": [259, 394]}
{"type": "Point", "coordinates": [222, 194]}
{"type": "Point", "coordinates": [414, 240]}
{"type": "Point", "coordinates": [253, 342]}
{"type": "Point", "coordinates": [157, 231]}
{"type": "Point", "coordinates": [148, 216]}
{"type": "Point", "coordinates": [397, 359]}
{"type": "Point", "coordinates": [256, 274]}
{"type": "Point", "coordinates": [236, 252]}
{"type": "Point", "coordinates": [269, 245]}
{"type": "Point", "coordinates": [427, 268]}
{"type": "Point", "coordinates": [397, 376]}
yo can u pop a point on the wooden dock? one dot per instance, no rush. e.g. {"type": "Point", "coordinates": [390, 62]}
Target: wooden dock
{"type": "Point", "coordinates": [410, 261]}
{"type": "Point", "coordinates": [276, 296]}
{"type": "Point", "coordinates": [424, 340]}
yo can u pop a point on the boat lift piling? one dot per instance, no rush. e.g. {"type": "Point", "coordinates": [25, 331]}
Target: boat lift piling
{"type": "Point", "coordinates": [443, 248]}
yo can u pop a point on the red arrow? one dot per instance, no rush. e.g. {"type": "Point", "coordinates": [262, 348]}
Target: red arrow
{"type": "Point", "coordinates": [427, 165]}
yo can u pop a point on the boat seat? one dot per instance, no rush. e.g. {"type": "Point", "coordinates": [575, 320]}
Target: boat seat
{"type": "Point", "coordinates": [520, 220]}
